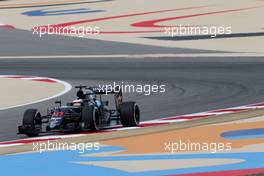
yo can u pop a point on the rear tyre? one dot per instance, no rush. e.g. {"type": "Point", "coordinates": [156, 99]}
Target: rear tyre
{"type": "Point", "coordinates": [90, 118]}
{"type": "Point", "coordinates": [32, 122]}
{"type": "Point", "coordinates": [129, 114]}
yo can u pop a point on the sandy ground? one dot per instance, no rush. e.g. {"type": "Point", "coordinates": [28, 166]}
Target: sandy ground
{"type": "Point", "coordinates": [134, 23]}
{"type": "Point", "coordinates": [15, 92]}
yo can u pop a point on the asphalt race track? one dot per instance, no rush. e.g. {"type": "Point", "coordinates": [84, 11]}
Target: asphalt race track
{"type": "Point", "coordinates": [20, 43]}
{"type": "Point", "coordinates": [192, 84]}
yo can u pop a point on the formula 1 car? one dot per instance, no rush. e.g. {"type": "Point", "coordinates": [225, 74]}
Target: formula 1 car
{"type": "Point", "coordinates": [87, 113]}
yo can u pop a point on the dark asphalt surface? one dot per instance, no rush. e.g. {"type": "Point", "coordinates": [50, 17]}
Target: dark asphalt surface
{"type": "Point", "coordinates": [18, 43]}
{"type": "Point", "coordinates": [192, 84]}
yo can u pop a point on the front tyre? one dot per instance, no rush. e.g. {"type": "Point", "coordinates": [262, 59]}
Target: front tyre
{"type": "Point", "coordinates": [32, 122]}
{"type": "Point", "coordinates": [129, 114]}
{"type": "Point", "coordinates": [90, 118]}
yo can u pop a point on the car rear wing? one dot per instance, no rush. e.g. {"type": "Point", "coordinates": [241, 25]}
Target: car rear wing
{"type": "Point", "coordinates": [101, 91]}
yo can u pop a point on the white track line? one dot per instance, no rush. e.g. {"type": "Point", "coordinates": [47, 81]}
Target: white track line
{"type": "Point", "coordinates": [139, 55]}
{"type": "Point", "coordinates": [10, 145]}
{"type": "Point", "coordinates": [67, 88]}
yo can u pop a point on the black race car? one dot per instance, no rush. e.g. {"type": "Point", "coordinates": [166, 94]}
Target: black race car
{"type": "Point", "coordinates": [86, 113]}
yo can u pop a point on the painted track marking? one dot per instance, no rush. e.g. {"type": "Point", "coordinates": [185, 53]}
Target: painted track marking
{"type": "Point", "coordinates": [67, 87]}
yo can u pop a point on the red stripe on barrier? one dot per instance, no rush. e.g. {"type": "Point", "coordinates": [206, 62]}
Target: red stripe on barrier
{"type": "Point", "coordinates": [127, 15]}
{"type": "Point", "coordinates": [7, 26]}
{"type": "Point", "coordinates": [258, 104]}
{"type": "Point", "coordinates": [152, 124]}
{"type": "Point", "coordinates": [62, 25]}
{"type": "Point", "coordinates": [31, 78]}
{"type": "Point", "coordinates": [233, 110]}
{"type": "Point", "coordinates": [188, 117]}
{"type": "Point", "coordinates": [44, 80]}
{"type": "Point", "coordinates": [152, 23]}
{"type": "Point", "coordinates": [27, 141]}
